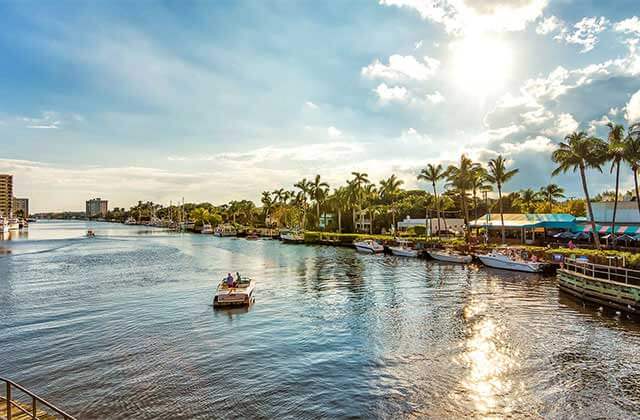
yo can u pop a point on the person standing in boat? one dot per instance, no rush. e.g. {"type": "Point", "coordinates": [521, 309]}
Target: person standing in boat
{"type": "Point", "coordinates": [238, 277]}
{"type": "Point", "coordinates": [229, 280]}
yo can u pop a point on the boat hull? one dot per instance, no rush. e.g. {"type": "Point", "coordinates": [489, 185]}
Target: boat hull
{"type": "Point", "coordinates": [460, 259]}
{"type": "Point", "coordinates": [493, 262]}
{"type": "Point", "coordinates": [403, 252]}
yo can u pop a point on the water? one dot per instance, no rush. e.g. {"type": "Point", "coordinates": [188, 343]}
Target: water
{"type": "Point", "coordinates": [123, 325]}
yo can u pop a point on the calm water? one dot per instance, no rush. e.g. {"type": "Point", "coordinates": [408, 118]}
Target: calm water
{"type": "Point", "coordinates": [123, 324]}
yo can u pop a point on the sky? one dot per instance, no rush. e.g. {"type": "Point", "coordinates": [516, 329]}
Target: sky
{"type": "Point", "coordinates": [220, 100]}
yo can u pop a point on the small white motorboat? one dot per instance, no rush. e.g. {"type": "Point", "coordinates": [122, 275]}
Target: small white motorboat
{"type": "Point", "coordinates": [240, 293]}
{"type": "Point", "coordinates": [206, 229]}
{"type": "Point", "coordinates": [91, 234]}
{"type": "Point", "coordinates": [292, 236]}
{"type": "Point", "coordinates": [369, 246]}
{"type": "Point", "coordinates": [498, 260]}
{"type": "Point", "coordinates": [403, 249]}
{"type": "Point", "coordinates": [451, 257]}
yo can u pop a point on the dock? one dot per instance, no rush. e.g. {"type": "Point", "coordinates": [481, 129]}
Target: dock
{"type": "Point", "coordinates": [610, 286]}
{"type": "Point", "coordinates": [13, 407]}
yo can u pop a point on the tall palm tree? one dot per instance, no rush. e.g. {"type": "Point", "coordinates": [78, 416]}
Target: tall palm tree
{"type": "Point", "coordinates": [498, 174]}
{"type": "Point", "coordinates": [616, 154]}
{"type": "Point", "coordinates": [434, 173]}
{"type": "Point", "coordinates": [389, 190]}
{"type": "Point", "coordinates": [580, 152]}
{"type": "Point", "coordinates": [360, 179]}
{"type": "Point", "coordinates": [305, 190]}
{"type": "Point", "coordinates": [369, 195]}
{"type": "Point", "coordinates": [339, 200]}
{"type": "Point", "coordinates": [267, 204]}
{"type": "Point", "coordinates": [632, 157]}
{"type": "Point", "coordinates": [551, 192]}
{"type": "Point", "coordinates": [318, 192]}
{"type": "Point", "coordinates": [459, 178]}
{"type": "Point", "coordinates": [478, 183]}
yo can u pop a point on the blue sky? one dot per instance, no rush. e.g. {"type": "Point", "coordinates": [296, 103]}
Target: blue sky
{"type": "Point", "coordinates": [220, 100]}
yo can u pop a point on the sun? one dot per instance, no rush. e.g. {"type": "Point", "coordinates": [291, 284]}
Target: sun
{"type": "Point", "coordinates": [480, 65]}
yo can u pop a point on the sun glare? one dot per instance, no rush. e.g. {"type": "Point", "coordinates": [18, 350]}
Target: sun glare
{"type": "Point", "coordinates": [480, 65]}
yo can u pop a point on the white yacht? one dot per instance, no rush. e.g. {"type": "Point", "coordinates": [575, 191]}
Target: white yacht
{"type": "Point", "coordinates": [496, 259]}
{"type": "Point", "coordinates": [238, 293]}
{"type": "Point", "coordinates": [446, 256]}
{"type": "Point", "coordinates": [369, 246]}
{"type": "Point", "coordinates": [403, 249]}
{"type": "Point", "coordinates": [130, 221]}
{"type": "Point", "coordinates": [206, 229]}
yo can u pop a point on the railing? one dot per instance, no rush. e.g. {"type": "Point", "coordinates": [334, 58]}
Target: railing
{"type": "Point", "coordinates": [35, 402]}
{"type": "Point", "coordinates": [603, 272]}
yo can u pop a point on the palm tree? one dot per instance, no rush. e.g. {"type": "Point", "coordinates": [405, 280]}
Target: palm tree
{"type": "Point", "coordinates": [433, 174]}
{"type": "Point", "coordinates": [305, 190]}
{"type": "Point", "coordinates": [360, 179]}
{"type": "Point", "coordinates": [459, 178]}
{"type": "Point", "coordinates": [478, 183]}
{"type": "Point", "coordinates": [369, 194]}
{"type": "Point", "coordinates": [499, 175]}
{"type": "Point", "coordinates": [318, 192]}
{"type": "Point", "coordinates": [551, 192]}
{"type": "Point", "coordinates": [338, 201]}
{"type": "Point", "coordinates": [528, 199]}
{"type": "Point", "coordinates": [389, 190]}
{"type": "Point", "coordinates": [616, 154]}
{"type": "Point", "coordinates": [632, 157]}
{"type": "Point", "coordinates": [580, 152]}
{"type": "Point", "coordinates": [267, 204]}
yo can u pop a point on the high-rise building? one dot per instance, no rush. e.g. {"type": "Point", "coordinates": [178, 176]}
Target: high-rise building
{"type": "Point", "coordinates": [6, 196]}
{"type": "Point", "coordinates": [21, 204]}
{"type": "Point", "coordinates": [97, 207]}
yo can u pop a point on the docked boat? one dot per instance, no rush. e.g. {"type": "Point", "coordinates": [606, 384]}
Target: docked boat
{"type": "Point", "coordinates": [505, 262]}
{"type": "Point", "coordinates": [23, 224]}
{"type": "Point", "coordinates": [225, 230]}
{"type": "Point", "coordinates": [4, 226]}
{"type": "Point", "coordinates": [253, 236]}
{"type": "Point", "coordinates": [369, 246]}
{"type": "Point", "coordinates": [240, 293]}
{"type": "Point", "coordinates": [91, 234]}
{"type": "Point", "coordinates": [450, 257]}
{"type": "Point", "coordinates": [292, 236]}
{"type": "Point", "coordinates": [130, 221]}
{"type": "Point", "coordinates": [206, 229]}
{"type": "Point", "coordinates": [403, 249]}
{"type": "Point", "coordinates": [14, 224]}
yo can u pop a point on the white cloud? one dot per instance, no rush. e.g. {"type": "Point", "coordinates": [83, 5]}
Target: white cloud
{"type": "Point", "coordinates": [633, 108]}
{"type": "Point", "coordinates": [628, 26]}
{"type": "Point", "coordinates": [549, 25]}
{"type": "Point", "coordinates": [418, 44]}
{"type": "Point", "coordinates": [333, 132]}
{"type": "Point", "coordinates": [563, 125]}
{"type": "Point", "coordinates": [411, 137]}
{"type": "Point", "coordinates": [584, 33]}
{"type": "Point", "coordinates": [311, 105]}
{"type": "Point", "coordinates": [402, 68]}
{"type": "Point", "coordinates": [594, 124]}
{"type": "Point", "coordinates": [614, 111]}
{"type": "Point", "coordinates": [388, 94]}
{"type": "Point", "coordinates": [435, 97]}
{"type": "Point", "coordinates": [473, 16]}
{"type": "Point", "coordinates": [536, 144]}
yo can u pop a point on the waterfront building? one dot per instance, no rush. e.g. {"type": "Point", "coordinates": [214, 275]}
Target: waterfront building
{"type": "Point", "coordinates": [6, 195]}
{"type": "Point", "coordinates": [96, 207]}
{"type": "Point", "coordinates": [21, 204]}
{"type": "Point", "coordinates": [525, 227]}
{"type": "Point", "coordinates": [449, 225]}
